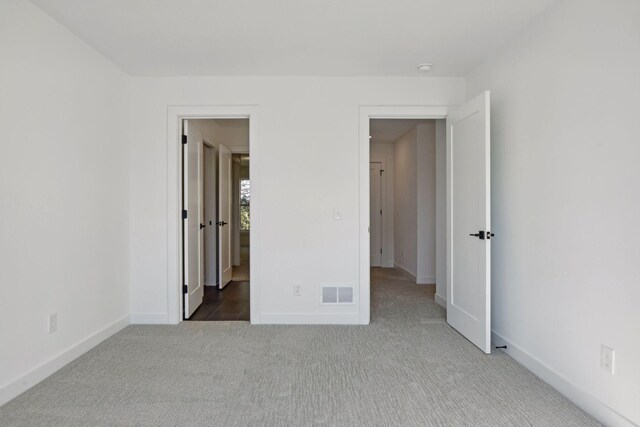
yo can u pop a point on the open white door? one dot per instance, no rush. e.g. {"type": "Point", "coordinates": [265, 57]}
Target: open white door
{"type": "Point", "coordinates": [469, 221]}
{"type": "Point", "coordinates": [192, 230]}
{"type": "Point", "coordinates": [224, 216]}
{"type": "Point", "coordinates": [375, 213]}
{"type": "Point", "coordinates": [210, 163]}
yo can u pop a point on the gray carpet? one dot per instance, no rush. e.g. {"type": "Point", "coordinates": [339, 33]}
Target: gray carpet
{"type": "Point", "coordinates": [406, 368]}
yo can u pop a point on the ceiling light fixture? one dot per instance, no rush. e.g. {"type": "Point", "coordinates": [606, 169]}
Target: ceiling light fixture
{"type": "Point", "coordinates": [424, 68]}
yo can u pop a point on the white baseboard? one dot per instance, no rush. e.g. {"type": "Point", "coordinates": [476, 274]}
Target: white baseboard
{"type": "Point", "coordinates": [403, 268]}
{"type": "Point", "coordinates": [581, 398]}
{"type": "Point", "coordinates": [23, 383]}
{"type": "Point", "coordinates": [426, 280]}
{"type": "Point", "coordinates": [310, 319]}
{"type": "Point", "coordinates": [441, 301]}
{"type": "Point", "coordinates": [149, 319]}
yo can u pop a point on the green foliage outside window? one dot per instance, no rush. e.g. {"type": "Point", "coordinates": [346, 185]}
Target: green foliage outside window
{"type": "Point", "coordinates": [245, 198]}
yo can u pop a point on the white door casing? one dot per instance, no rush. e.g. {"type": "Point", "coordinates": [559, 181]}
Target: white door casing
{"type": "Point", "coordinates": [175, 194]}
{"type": "Point", "coordinates": [375, 223]}
{"type": "Point", "coordinates": [225, 258]}
{"type": "Point", "coordinates": [192, 232]}
{"type": "Point", "coordinates": [469, 212]}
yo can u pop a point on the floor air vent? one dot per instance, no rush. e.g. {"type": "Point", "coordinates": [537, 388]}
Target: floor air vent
{"type": "Point", "coordinates": [337, 295]}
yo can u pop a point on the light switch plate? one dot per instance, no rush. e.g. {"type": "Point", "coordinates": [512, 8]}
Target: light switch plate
{"type": "Point", "coordinates": [607, 359]}
{"type": "Point", "coordinates": [53, 323]}
{"type": "Point", "coordinates": [297, 290]}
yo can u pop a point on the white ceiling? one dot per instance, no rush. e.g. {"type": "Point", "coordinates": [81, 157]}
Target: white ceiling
{"type": "Point", "coordinates": [390, 130]}
{"type": "Point", "coordinates": [294, 37]}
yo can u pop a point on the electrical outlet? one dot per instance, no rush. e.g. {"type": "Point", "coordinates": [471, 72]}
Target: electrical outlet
{"type": "Point", "coordinates": [607, 359]}
{"type": "Point", "coordinates": [297, 290]}
{"type": "Point", "coordinates": [53, 322]}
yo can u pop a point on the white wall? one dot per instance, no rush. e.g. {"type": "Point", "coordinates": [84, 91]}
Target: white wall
{"type": "Point", "coordinates": [441, 212]}
{"type": "Point", "coordinates": [210, 131]}
{"type": "Point", "coordinates": [233, 133]}
{"type": "Point", "coordinates": [308, 144]}
{"type": "Point", "coordinates": [384, 150]}
{"type": "Point", "coordinates": [405, 188]}
{"type": "Point", "coordinates": [426, 203]}
{"type": "Point", "coordinates": [414, 204]}
{"type": "Point", "coordinates": [566, 199]}
{"type": "Point", "coordinates": [64, 191]}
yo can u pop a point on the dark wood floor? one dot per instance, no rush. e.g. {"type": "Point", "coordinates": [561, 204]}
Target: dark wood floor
{"type": "Point", "coordinates": [230, 303]}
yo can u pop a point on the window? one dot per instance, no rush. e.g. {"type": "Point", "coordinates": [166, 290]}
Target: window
{"type": "Point", "coordinates": [245, 197]}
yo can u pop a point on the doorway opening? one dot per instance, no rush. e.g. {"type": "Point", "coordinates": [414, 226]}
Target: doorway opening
{"type": "Point", "coordinates": [407, 221]}
{"type": "Point", "coordinates": [467, 207]}
{"type": "Point", "coordinates": [216, 219]}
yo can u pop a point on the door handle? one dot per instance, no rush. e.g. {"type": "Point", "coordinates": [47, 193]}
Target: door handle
{"type": "Point", "coordinates": [481, 234]}
{"type": "Point", "coordinates": [202, 226]}
{"type": "Point", "coordinates": [221, 223]}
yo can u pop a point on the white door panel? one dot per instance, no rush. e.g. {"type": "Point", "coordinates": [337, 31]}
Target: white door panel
{"type": "Point", "coordinates": [192, 231]}
{"type": "Point", "coordinates": [225, 217]}
{"type": "Point", "coordinates": [211, 216]}
{"type": "Point", "coordinates": [468, 213]}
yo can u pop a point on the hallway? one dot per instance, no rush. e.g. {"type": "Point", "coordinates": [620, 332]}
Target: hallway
{"type": "Point", "coordinates": [230, 303]}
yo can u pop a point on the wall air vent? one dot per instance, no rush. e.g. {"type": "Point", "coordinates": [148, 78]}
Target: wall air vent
{"type": "Point", "coordinates": [337, 295]}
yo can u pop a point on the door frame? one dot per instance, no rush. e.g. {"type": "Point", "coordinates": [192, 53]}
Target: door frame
{"type": "Point", "coordinates": [367, 113]}
{"type": "Point", "coordinates": [175, 115]}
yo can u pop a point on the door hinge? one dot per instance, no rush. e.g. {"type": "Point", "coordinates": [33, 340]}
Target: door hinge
{"type": "Point", "coordinates": [380, 211]}
{"type": "Point", "coordinates": [185, 289]}
{"type": "Point", "coordinates": [184, 214]}
{"type": "Point", "coordinates": [184, 139]}
{"type": "Point", "coordinates": [380, 251]}
{"type": "Point", "coordinates": [381, 171]}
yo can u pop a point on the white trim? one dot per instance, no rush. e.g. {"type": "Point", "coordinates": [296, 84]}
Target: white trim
{"type": "Point", "coordinates": [174, 218]}
{"type": "Point", "coordinates": [148, 319]}
{"type": "Point", "coordinates": [367, 113]}
{"type": "Point", "coordinates": [24, 382]}
{"type": "Point", "coordinates": [239, 150]}
{"type": "Point", "coordinates": [426, 280]}
{"type": "Point", "coordinates": [403, 268]}
{"type": "Point", "coordinates": [440, 301]}
{"type": "Point", "coordinates": [311, 318]}
{"type": "Point", "coordinates": [581, 398]}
